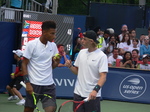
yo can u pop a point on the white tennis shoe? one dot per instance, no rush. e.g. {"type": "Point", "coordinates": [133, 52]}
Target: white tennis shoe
{"type": "Point", "coordinates": [13, 98]}
{"type": "Point", "coordinates": [21, 102]}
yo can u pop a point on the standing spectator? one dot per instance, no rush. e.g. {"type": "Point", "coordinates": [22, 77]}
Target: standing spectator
{"type": "Point", "coordinates": [102, 44]}
{"type": "Point", "coordinates": [48, 6]}
{"type": "Point", "coordinates": [16, 4]}
{"type": "Point", "coordinates": [145, 49]}
{"type": "Point", "coordinates": [125, 44]}
{"type": "Point", "coordinates": [145, 65]}
{"type": "Point", "coordinates": [135, 57]}
{"type": "Point", "coordinates": [112, 59]}
{"type": "Point", "coordinates": [37, 67]}
{"type": "Point", "coordinates": [127, 60]}
{"type": "Point", "coordinates": [64, 56]}
{"type": "Point", "coordinates": [124, 30]}
{"type": "Point", "coordinates": [17, 77]}
{"type": "Point", "coordinates": [91, 67]}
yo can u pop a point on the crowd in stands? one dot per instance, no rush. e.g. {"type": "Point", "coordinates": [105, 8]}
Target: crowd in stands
{"type": "Point", "coordinates": [123, 50]}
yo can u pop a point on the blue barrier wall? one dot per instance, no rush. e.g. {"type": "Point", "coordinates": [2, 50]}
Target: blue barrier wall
{"type": "Point", "coordinates": [122, 84]}
{"type": "Point", "coordinates": [7, 38]}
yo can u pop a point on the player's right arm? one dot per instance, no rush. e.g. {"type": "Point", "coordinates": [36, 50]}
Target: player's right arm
{"type": "Point", "coordinates": [29, 88]}
{"type": "Point", "coordinates": [71, 67]}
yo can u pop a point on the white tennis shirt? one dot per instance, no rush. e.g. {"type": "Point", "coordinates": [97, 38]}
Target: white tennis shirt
{"type": "Point", "coordinates": [40, 61]}
{"type": "Point", "coordinates": [90, 65]}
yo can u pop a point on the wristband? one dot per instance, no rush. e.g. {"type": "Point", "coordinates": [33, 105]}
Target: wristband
{"type": "Point", "coordinates": [26, 78]}
{"type": "Point", "coordinates": [12, 74]}
{"type": "Point", "coordinates": [97, 88]}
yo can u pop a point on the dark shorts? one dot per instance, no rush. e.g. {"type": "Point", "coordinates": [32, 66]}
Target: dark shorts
{"type": "Point", "coordinates": [16, 82]}
{"type": "Point", "coordinates": [91, 106]}
{"type": "Point", "coordinates": [46, 101]}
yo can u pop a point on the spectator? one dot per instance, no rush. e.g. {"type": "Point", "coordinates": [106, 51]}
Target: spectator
{"type": "Point", "coordinates": [134, 45]}
{"type": "Point", "coordinates": [16, 4]}
{"type": "Point", "coordinates": [145, 49]}
{"type": "Point", "coordinates": [106, 36]}
{"type": "Point", "coordinates": [145, 65]}
{"type": "Point", "coordinates": [64, 56]}
{"type": "Point", "coordinates": [149, 32]}
{"type": "Point", "coordinates": [101, 45]}
{"type": "Point", "coordinates": [48, 6]}
{"type": "Point", "coordinates": [17, 77]}
{"type": "Point", "coordinates": [135, 57]}
{"type": "Point", "coordinates": [112, 59]}
{"type": "Point", "coordinates": [125, 44]}
{"type": "Point", "coordinates": [78, 45]}
{"type": "Point", "coordinates": [124, 30]}
{"type": "Point", "coordinates": [142, 39]}
{"type": "Point", "coordinates": [132, 34]}
{"type": "Point", "coordinates": [127, 60]}
{"type": "Point", "coordinates": [111, 45]}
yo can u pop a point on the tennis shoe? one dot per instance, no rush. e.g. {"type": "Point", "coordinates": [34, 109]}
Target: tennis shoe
{"type": "Point", "coordinates": [13, 98]}
{"type": "Point", "coordinates": [21, 102]}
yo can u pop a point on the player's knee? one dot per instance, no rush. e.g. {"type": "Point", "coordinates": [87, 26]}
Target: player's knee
{"type": "Point", "coordinates": [50, 109]}
{"type": "Point", "coordinates": [28, 109]}
{"type": "Point", "coordinates": [8, 87]}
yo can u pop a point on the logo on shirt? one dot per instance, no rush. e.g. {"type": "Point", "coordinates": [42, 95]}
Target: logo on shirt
{"type": "Point", "coordinates": [132, 87]}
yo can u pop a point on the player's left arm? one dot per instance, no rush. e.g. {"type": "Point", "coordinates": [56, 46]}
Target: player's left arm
{"type": "Point", "coordinates": [100, 83]}
{"type": "Point", "coordinates": [55, 62]}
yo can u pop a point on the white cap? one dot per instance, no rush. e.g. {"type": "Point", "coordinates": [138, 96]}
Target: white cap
{"type": "Point", "coordinates": [111, 30]}
{"type": "Point", "coordinates": [144, 56]}
{"type": "Point", "coordinates": [18, 52]}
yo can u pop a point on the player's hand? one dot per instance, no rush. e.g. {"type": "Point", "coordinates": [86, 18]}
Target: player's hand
{"type": "Point", "coordinates": [68, 63]}
{"type": "Point", "coordinates": [93, 95]}
{"type": "Point", "coordinates": [29, 88]}
{"type": "Point", "coordinates": [12, 76]}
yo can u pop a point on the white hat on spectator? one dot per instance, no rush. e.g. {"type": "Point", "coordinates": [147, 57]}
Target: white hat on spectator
{"type": "Point", "coordinates": [18, 52]}
{"type": "Point", "coordinates": [144, 56]}
{"type": "Point", "coordinates": [111, 30]}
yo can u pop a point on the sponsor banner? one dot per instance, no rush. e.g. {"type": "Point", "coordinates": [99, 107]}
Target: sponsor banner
{"type": "Point", "coordinates": [127, 85]}
{"type": "Point", "coordinates": [122, 84]}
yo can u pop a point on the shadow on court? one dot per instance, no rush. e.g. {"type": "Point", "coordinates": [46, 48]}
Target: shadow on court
{"type": "Point", "coordinates": [106, 106]}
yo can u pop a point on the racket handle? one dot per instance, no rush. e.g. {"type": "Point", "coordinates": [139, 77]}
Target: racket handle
{"type": "Point", "coordinates": [86, 99]}
{"type": "Point", "coordinates": [23, 84]}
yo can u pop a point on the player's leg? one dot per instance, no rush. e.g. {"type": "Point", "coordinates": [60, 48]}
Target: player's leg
{"type": "Point", "coordinates": [78, 98]}
{"type": "Point", "coordinates": [16, 88]}
{"type": "Point", "coordinates": [49, 104]}
{"type": "Point", "coordinates": [29, 102]}
{"type": "Point", "coordinates": [10, 90]}
{"type": "Point", "coordinates": [92, 105]}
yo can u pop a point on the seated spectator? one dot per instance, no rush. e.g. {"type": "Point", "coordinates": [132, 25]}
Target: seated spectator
{"type": "Point", "coordinates": [127, 60]}
{"type": "Point", "coordinates": [134, 44]}
{"type": "Point", "coordinates": [135, 57]}
{"type": "Point", "coordinates": [145, 65]}
{"type": "Point", "coordinates": [64, 57]}
{"type": "Point", "coordinates": [142, 39]}
{"type": "Point", "coordinates": [111, 45]}
{"type": "Point", "coordinates": [125, 44]}
{"type": "Point", "coordinates": [112, 59]}
{"type": "Point", "coordinates": [145, 49]}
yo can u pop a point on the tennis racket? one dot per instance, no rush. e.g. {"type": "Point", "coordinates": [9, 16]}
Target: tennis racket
{"type": "Point", "coordinates": [34, 96]}
{"type": "Point", "coordinates": [71, 105]}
